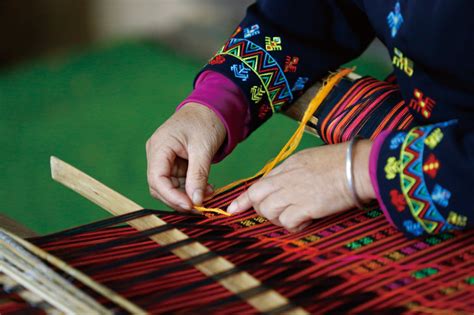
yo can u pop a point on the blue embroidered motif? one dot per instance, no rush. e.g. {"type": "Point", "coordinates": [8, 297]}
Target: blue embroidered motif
{"type": "Point", "coordinates": [413, 227]}
{"type": "Point", "coordinates": [440, 195]}
{"type": "Point", "coordinates": [397, 140]}
{"type": "Point", "coordinates": [395, 20]}
{"type": "Point", "coordinates": [251, 31]}
{"type": "Point", "coordinates": [240, 71]}
{"type": "Point", "coordinates": [300, 83]}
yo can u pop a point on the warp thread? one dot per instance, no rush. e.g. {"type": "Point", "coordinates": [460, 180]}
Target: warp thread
{"type": "Point", "coordinates": [292, 143]}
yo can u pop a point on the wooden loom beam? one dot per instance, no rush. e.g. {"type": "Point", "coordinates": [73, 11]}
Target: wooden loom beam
{"type": "Point", "coordinates": [118, 204]}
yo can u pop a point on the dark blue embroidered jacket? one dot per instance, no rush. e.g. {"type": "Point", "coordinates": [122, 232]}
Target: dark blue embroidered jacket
{"type": "Point", "coordinates": [283, 46]}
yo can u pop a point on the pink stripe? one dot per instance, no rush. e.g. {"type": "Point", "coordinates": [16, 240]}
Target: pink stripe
{"type": "Point", "coordinates": [373, 162]}
{"type": "Point", "coordinates": [366, 112]}
{"type": "Point", "coordinates": [397, 119]}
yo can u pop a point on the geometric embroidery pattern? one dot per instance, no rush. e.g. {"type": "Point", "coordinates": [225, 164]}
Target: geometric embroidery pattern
{"type": "Point", "coordinates": [413, 184]}
{"type": "Point", "coordinates": [431, 165]}
{"type": "Point", "coordinates": [402, 62]}
{"type": "Point", "coordinates": [423, 105]}
{"type": "Point", "coordinates": [272, 43]}
{"type": "Point", "coordinates": [395, 20]}
{"type": "Point", "coordinates": [264, 66]}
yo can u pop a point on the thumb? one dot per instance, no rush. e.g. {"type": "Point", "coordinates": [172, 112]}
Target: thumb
{"type": "Point", "coordinates": [199, 164]}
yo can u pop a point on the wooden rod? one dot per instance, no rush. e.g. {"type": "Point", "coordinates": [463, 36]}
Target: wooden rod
{"type": "Point", "coordinates": [19, 261]}
{"type": "Point", "coordinates": [298, 108]}
{"type": "Point", "coordinates": [118, 204]}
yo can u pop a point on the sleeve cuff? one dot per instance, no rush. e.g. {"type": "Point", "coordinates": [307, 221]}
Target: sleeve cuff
{"type": "Point", "coordinates": [225, 99]}
{"type": "Point", "coordinates": [373, 162]}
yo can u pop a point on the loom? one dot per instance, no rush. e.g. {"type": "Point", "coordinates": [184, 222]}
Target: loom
{"type": "Point", "coordinates": [151, 261]}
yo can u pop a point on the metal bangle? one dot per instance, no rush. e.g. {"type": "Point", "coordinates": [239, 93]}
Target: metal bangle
{"type": "Point", "coordinates": [350, 173]}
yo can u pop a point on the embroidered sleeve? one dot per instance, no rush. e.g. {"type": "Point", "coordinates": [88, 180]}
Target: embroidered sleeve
{"type": "Point", "coordinates": [282, 47]}
{"type": "Point", "coordinates": [425, 178]}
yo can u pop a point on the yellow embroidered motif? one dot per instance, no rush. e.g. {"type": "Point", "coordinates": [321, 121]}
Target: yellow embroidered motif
{"type": "Point", "coordinates": [402, 62]}
{"type": "Point", "coordinates": [392, 168]}
{"type": "Point", "coordinates": [256, 93]}
{"type": "Point", "coordinates": [272, 43]}
{"type": "Point", "coordinates": [434, 138]}
{"type": "Point", "coordinates": [457, 219]}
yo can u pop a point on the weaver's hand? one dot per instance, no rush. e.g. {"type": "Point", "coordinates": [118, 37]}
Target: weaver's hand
{"type": "Point", "coordinates": [310, 184]}
{"type": "Point", "coordinates": [179, 156]}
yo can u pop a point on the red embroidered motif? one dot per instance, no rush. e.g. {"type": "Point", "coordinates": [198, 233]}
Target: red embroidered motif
{"type": "Point", "coordinates": [291, 64]}
{"type": "Point", "coordinates": [397, 200]}
{"type": "Point", "coordinates": [423, 105]}
{"type": "Point", "coordinates": [217, 60]}
{"type": "Point", "coordinates": [431, 166]}
{"type": "Point", "coordinates": [263, 111]}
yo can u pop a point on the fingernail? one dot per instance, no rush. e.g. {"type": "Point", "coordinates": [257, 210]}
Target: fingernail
{"type": "Point", "coordinates": [209, 189]}
{"type": "Point", "coordinates": [185, 206]}
{"type": "Point", "coordinates": [303, 226]}
{"type": "Point", "coordinates": [232, 208]}
{"type": "Point", "coordinates": [197, 197]}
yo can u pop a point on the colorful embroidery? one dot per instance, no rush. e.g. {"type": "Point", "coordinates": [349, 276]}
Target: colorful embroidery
{"type": "Point", "coordinates": [413, 227]}
{"type": "Point", "coordinates": [299, 84]}
{"type": "Point", "coordinates": [423, 105]}
{"type": "Point", "coordinates": [395, 20]}
{"type": "Point", "coordinates": [402, 62]}
{"type": "Point", "coordinates": [272, 43]}
{"type": "Point", "coordinates": [457, 219]}
{"type": "Point", "coordinates": [392, 168]}
{"type": "Point", "coordinates": [251, 31]}
{"type": "Point", "coordinates": [264, 66]}
{"type": "Point", "coordinates": [397, 140]}
{"type": "Point", "coordinates": [257, 93]}
{"type": "Point", "coordinates": [441, 195]}
{"type": "Point", "coordinates": [240, 71]}
{"type": "Point", "coordinates": [263, 111]}
{"type": "Point", "coordinates": [291, 64]}
{"type": "Point", "coordinates": [431, 165]}
{"type": "Point", "coordinates": [237, 31]}
{"type": "Point", "coordinates": [217, 60]}
{"type": "Point", "coordinates": [412, 182]}
{"type": "Point", "coordinates": [398, 200]}
{"type": "Point", "coordinates": [434, 138]}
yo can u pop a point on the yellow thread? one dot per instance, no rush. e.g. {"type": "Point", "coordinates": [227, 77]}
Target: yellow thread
{"type": "Point", "coordinates": [215, 210]}
{"type": "Point", "coordinates": [294, 141]}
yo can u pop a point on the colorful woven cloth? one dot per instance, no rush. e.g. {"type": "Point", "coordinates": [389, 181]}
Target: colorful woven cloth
{"type": "Point", "coordinates": [351, 262]}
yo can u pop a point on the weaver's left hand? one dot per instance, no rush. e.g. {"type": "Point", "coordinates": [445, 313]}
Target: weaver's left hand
{"type": "Point", "coordinates": [310, 184]}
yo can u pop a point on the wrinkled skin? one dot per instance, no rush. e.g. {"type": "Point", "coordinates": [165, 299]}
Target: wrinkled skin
{"type": "Point", "coordinates": [179, 155]}
{"type": "Point", "coordinates": [310, 184]}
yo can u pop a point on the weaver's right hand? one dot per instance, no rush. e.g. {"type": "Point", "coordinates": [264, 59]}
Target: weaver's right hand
{"type": "Point", "coordinates": [179, 155]}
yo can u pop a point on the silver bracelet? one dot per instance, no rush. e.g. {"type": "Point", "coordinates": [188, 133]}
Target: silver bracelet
{"type": "Point", "coordinates": [350, 173]}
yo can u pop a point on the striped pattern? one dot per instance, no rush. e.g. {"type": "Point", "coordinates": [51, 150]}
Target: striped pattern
{"type": "Point", "coordinates": [367, 108]}
{"type": "Point", "coordinates": [350, 262]}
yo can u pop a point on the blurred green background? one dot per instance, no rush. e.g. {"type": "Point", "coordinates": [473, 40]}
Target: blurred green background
{"type": "Point", "coordinates": [95, 110]}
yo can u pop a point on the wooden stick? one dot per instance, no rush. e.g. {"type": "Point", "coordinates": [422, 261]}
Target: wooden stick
{"type": "Point", "coordinates": [25, 294]}
{"type": "Point", "coordinates": [117, 204]}
{"type": "Point", "coordinates": [19, 261]}
{"type": "Point", "coordinates": [296, 110]}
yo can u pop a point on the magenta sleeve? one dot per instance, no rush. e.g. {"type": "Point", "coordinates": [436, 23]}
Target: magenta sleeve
{"type": "Point", "coordinates": [227, 101]}
{"type": "Point", "coordinates": [373, 159]}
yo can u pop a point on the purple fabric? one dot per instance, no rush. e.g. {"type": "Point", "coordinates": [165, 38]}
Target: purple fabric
{"type": "Point", "coordinates": [227, 101]}
{"type": "Point", "coordinates": [373, 161]}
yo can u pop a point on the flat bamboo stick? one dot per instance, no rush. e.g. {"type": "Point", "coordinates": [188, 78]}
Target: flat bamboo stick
{"type": "Point", "coordinates": [19, 261]}
{"type": "Point", "coordinates": [118, 204]}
